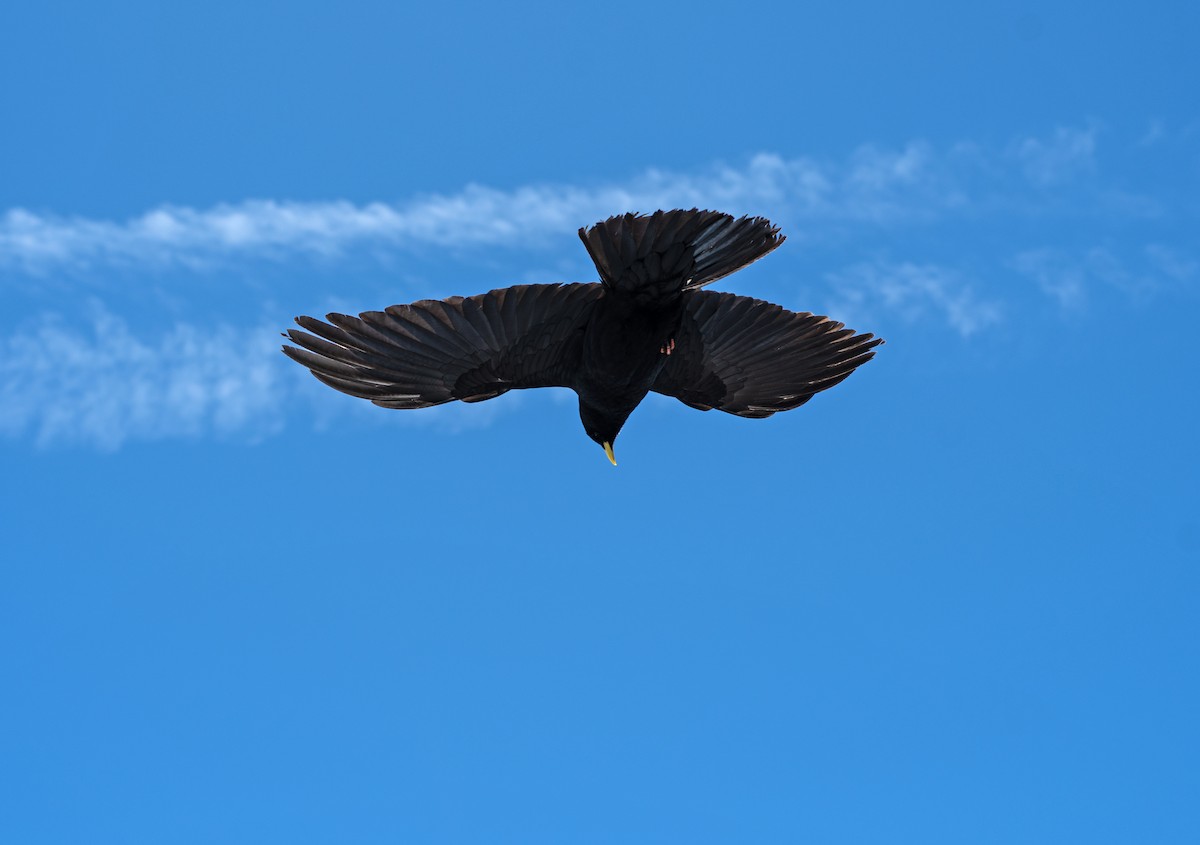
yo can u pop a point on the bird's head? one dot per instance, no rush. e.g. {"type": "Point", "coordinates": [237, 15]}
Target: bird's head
{"type": "Point", "coordinates": [602, 425]}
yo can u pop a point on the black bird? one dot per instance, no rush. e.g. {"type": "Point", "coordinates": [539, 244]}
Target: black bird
{"type": "Point", "coordinates": [646, 326]}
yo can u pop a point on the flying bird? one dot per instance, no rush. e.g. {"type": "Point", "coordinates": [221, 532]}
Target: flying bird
{"type": "Point", "coordinates": [648, 325]}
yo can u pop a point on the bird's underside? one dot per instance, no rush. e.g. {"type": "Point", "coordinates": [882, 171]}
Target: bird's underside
{"type": "Point", "coordinates": [647, 325]}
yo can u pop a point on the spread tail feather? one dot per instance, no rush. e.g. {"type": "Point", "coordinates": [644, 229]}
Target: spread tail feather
{"type": "Point", "coordinates": [658, 256]}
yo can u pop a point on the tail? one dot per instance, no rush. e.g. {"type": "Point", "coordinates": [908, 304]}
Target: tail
{"type": "Point", "coordinates": [658, 256]}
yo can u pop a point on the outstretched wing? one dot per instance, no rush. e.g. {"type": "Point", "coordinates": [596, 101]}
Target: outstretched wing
{"type": "Point", "coordinates": [659, 255]}
{"type": "Point", "coordinates": [751, 358]}
{"type": "Point", "coordinates": [435, 351]}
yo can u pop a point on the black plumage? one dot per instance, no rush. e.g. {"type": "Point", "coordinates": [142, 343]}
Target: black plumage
{"type": "Point", "coordinates": [646, 326]}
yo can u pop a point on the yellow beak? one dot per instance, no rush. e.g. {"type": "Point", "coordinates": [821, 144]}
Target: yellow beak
{"type": "Point", "coordinates": [608, 451]}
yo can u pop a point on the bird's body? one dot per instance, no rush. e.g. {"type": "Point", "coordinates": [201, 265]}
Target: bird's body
{"type": "Point", "coordinates": [623, 350]}
{"type": "Point", "coordinates": [646, 326]}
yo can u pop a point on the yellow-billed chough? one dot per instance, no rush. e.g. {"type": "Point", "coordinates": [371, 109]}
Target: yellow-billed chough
{"type": "Point", "coordinates": [646, 326]}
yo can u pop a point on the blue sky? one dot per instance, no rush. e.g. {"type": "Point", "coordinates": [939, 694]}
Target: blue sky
{"type": "Point", "coordinates": [952, 600]}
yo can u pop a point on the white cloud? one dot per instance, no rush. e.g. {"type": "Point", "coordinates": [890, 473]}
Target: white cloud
{"type": "Point", "coordinates": [1055, 274]}
{"type": "Point", "coordinates": [1069, 276]}
{"type": "Point", "coordinates": [915, 183]}
{"type": "Point", "coordinates": [476, 216]}
{"type": "Point", "coordinates": [1105, 265]}
{"type": "Point", "coordinates": [1064, 155]}
{"type": "Point", "coordinates": [1172, 263]}
{"type": "Point", "coordinates": [862, 293]}
{"type": "Point", "coordinates": [105, 386]}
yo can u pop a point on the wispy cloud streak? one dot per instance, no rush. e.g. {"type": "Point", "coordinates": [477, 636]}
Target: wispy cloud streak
{"type": "Point", "coordinates": [870, 186]}
{"type": "Point", "coordinates": [477, 216]}
{"type": "Point", "coordinates": [1064, 155]}
{"type": "Point", "coordinates": [104, 386]}
{"type": "Point", "coordinates": [1069, 277]}
{"type": "Point", "coordinates": [910, 292]}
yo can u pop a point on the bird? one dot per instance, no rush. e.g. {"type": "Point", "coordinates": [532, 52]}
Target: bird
{"type": "Point", "coordinates": [647, 325]}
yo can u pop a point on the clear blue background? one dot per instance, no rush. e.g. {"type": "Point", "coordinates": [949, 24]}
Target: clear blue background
{"type": "Point", "coordinates": [953, 600]}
